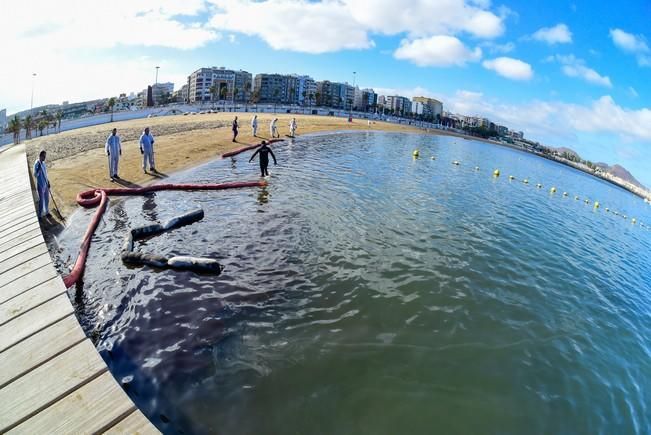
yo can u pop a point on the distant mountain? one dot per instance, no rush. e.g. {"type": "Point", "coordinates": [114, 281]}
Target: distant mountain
{"type": "Point", "coordinates": [621, 172]}
{"type": "Point", "coordinates": [563, 150]}
{"type": "Point", "coordinates": [615, 170]}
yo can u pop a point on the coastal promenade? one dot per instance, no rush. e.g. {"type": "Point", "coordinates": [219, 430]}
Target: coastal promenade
{"type": "Point", "coordinates": [52, 380]}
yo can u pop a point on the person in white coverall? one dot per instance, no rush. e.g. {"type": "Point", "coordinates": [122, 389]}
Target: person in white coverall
{"type": "Point", "coordinates": [42, 186]}
{"type": "Point", "coordinates": [292, 127]}
{"type": "Point", "coordinates": [254, 125]}
{"type": "Point", "coordinates": [273, 129]}
{"type": "Point", "coordinates": [113, 150]}
{"type": "Point", "coordinates": [147, 150]}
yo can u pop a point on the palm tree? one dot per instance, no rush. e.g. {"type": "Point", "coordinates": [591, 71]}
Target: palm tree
{"type": "Point", "coordinates": [42, 123]}
{"type": "Point", "coordinates": [223, 91]}
{"type": "Point", "coordinates": [111, 103]}
{"type": "Point", "coordinates": [247, 92]}
{"type": "Point", "coordinates": [59, 117]}
{"type": "Point", "coordinates": [28, 124]}
{"type": "Point", "coordinates": [276, 93]}
{"type": "Point", "coordinates": [318, 98]}
{"type": "Point", "coordinates": [213, 93]}
{"type": "Point", "coordinates": [311, 98]}
{"type": "Point", "coordinates": [235, 92]}
{"type": "Point", "coordinates": [14, 127]}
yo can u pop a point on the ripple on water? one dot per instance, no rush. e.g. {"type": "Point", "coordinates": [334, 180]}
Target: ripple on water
{"type": "Point", "coordinates": [367, 292]}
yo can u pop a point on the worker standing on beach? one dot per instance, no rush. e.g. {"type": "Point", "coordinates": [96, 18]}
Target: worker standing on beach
{"type": "Point", "coordinates": [273, 129]}
{"type": "Point", "coordinates": [113, 150]}
{"type": "Point", "coordinates": [292, 127]}
{"type": "Point", "coordinates": [42, 186]}
{"type": "Point", "coordinates": [254, 125]}
{"type": "Point", "coordinates": [147, 150]}
{"type": "Point", "coordinates": [264, 152]}
{"type": "Point", "coordinates": [235, 127]}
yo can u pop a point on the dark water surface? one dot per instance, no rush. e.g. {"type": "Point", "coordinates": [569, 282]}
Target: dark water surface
{"type": "Point", "coordinates": [365, 292]}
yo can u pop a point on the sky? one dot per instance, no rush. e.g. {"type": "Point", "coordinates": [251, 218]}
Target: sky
{"type": "Point", "coordinates": [568, 73]}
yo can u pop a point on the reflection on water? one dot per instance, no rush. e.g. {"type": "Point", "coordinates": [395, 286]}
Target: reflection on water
{"type": "Point", "coordinates": [368, 292]}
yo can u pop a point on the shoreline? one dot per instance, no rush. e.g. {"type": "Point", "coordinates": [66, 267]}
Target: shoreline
{"type": "Point", "coordinates": [76, 159]}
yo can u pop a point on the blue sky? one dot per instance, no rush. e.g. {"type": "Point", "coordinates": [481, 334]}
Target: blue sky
{"type": "Point", "coordinates": [572, 74]}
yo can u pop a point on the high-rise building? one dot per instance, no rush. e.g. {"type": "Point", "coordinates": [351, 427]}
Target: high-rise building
{"type": "Point", "coordinates": [284, 89]}
{"type": "Point", "coordinates": [399, 105]}
{"type": "Point", "coordinates": [161, 93]}
{"type": "Point", "coordinates": [219, 83]}
{"type": "Point", "coordinates": [431, 108]}
{"type": "Point", "coordinates": [335, 95]}
{"type": "Point", "coordinates": [366, 100]}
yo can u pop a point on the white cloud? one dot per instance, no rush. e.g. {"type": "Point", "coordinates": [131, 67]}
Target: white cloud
{"type": "Point", "coordinates": [499, 48]}
{"type": "Point", "coordinates": [438, 51]}
{"type": "Point", "coordinates": [559, 34]}
{"type": "Point", "coordinates": [510, 68]}
{"type": "Point", "coordinates": [556, 119]}
{"type": "Point", "coordinates": [298, 25]}
{"type": "Point", "coordinates": [573, 67]}
{"type": "Point", "coordinates": [634, 44]}
{"type": "Point", "coordinates": [332, 25]}
{"type": "Point", "coordinates": [70, 25]}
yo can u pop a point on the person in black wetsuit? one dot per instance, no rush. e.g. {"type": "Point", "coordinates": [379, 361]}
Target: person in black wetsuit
{"type": "Point", "coordinates": [264, 152]}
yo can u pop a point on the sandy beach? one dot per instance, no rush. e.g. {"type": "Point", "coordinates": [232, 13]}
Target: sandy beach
{"type": "Point", "coordinates": [77, 161]}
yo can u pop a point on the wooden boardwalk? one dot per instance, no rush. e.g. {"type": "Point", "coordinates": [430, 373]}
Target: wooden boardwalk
{"type": "Point", "coordinates": [52, 380]}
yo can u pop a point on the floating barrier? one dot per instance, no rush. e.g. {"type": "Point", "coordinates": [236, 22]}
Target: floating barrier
{"type": "Point", "coordinates": [456, 162]}
{"type": "Point", "coordinates": [476, 168]}
{"type": "Point", "coordinates": [99, 198]}
{"type": "Point", "coordinates": [249, 147]}
{"type": "Point", "coordinates": [511, 177]}
{"type": "Point", "coordinates": [197, 264]}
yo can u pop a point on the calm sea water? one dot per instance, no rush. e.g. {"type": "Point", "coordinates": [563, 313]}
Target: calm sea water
{"type": "Point", "coordinates": [366, 292]}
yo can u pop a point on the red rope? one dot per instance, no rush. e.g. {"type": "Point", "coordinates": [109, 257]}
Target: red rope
{"type": "Point", "coordinates": [94, 197]}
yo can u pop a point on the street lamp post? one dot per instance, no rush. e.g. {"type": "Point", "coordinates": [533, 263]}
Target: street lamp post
{"type": "Point", "coordinates": [31, 104]}
{"type": "Point", "coordinates": [350, 113]}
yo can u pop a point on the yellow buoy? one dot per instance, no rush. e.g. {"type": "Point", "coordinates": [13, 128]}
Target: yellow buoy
{"type": "Point", "coordinates": [496, 172]}
{"type": "Point", "coordinates": [596, 204]}
{"type": "Point", "coordinates": [552, 190]}
{"type": "Point", "coordinates": [416, 153]}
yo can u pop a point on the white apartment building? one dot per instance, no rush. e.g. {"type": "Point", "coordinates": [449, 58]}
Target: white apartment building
{"type": "Point", "coordinates": [229, 85]}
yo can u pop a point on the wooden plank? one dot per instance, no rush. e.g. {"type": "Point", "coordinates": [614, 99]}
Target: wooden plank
{"type": "Point", "coordinates": [20, 223]}
{"type": "Point", "coordinates": [25, 204]}
{"type": "Point", "coordinates": [33, 321]}
{"type": "Point", "coordinates": [39, 348]}
{"type": "Point", "coordinates": [16, 213]}
{"type": "Point", "coordinates": [7, 264]}
{"type": "Point", "coordinates": [21, 236]}
{"type": "Point", "coordinates": [21, 248]}
{"type": "Point", "coordinates": [28, 281]}
{"type": "Point", "coordinates": [30, 299]}
{"type": "Point", "coordinates": [91, 408]}
{"type": "Point", "coordinates": [136, 423]}
{"type": "Point", "coordinates": [38, 389]}
{"type": "Point", "coordinates": [7, 277]}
